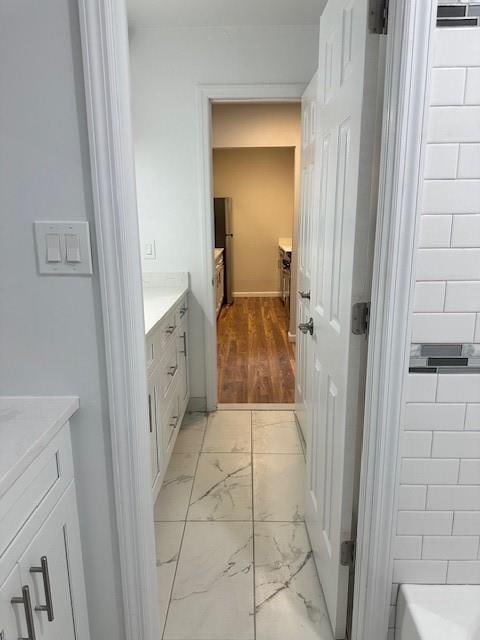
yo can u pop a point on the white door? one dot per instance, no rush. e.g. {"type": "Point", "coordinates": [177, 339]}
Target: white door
{"type": "Point", "coordinates": [347, 79]}
{"type": "Point", "coordinates": [303, 356]}
{"type": "Point", "coordinates": [52, 568]}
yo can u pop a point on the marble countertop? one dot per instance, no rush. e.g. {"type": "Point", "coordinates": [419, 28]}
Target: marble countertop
{"type": "Point", "coordinates": [157, 302]}
{"type": "Point", "coordinates": [217, 253]}
{"type": "Point", "coordinates": [285, 244]}
{"type": "Point", "coordinates": [27, 425]}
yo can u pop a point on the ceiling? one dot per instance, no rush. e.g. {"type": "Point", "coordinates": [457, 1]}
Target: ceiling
{"type": "Point", "coordinates": [200, 13]}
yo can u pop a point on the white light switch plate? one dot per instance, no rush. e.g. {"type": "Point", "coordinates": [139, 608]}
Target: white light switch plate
{"type": "Point", "coordinates": [81, 263]}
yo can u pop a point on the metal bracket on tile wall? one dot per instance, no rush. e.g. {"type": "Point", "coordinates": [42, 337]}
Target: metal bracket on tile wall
{"type": "Point", "coordinates": [444, 358]}
{"type": "Point", "coordinates": [458, 15]}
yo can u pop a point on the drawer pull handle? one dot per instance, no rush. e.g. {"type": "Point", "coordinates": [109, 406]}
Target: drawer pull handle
{"type": "Point", "coordinates": [27, 605]}
{"type": "Point", "coordinates": [170, 330]}
{"type": "Point", "coordinates": [48, 606]}
{"type": "Point", "coordinates": [150, 421]}
{"type": "Point", "coordinates": [184, 337]}
{"type": "Point", "coordinates": [172, 370]}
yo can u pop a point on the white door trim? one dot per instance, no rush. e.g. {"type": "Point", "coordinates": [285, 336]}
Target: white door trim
{"type": "Point", "coordinates": [407, 74]}
{"type": "Point", "coordinates": [206, 94]}
{"type": "Point", "coordinates": [104, 37]}
{"type": "Point", "coordinates": [105, 57]}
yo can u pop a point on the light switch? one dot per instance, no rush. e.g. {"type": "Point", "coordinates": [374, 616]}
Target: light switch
{"type": "Point", "coordinates": [72, 246]}
{"type": "Point", "coordinates": [63, 248]}
{"type": "Point", "coordinates": [149, 250]}
{"type": "Point", "coordinates": [54, 251]}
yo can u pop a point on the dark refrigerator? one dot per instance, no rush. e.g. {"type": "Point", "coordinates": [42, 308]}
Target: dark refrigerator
{"type": "Point", "coordinates": [222, 208]}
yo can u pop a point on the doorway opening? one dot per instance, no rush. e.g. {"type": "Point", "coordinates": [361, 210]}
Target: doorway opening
{"type": "Point", "coordinates": [255, 170]}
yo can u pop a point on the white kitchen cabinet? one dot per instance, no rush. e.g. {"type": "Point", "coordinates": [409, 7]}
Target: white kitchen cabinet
{"type": "Point", "coordinates": [42, 591]}
{"type": "Point", "coordinates": [168, 383]}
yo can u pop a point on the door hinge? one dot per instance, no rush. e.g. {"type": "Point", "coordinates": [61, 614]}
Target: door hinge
{"type": "Point", "coordinates": [378, 16]}
{"type": "Point", "coordinates": [360, 318]}
{"type": "Point", "coordinates": [347, 553]}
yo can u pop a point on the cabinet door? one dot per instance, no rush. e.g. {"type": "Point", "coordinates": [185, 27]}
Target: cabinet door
{"type": "Point", "coordinates": [52, 568]}
{"type": "Point", "coordinates": [152, 424]}
{"type": "Point", "coordinates": [12, 615]}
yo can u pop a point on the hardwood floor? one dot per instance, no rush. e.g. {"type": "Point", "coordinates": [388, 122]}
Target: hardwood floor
{"type": "Point", "coordinates": [256, 362]}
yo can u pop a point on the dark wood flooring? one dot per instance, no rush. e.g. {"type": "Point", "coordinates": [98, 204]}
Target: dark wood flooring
{"type": "Point", "coordinates": [256, 362]}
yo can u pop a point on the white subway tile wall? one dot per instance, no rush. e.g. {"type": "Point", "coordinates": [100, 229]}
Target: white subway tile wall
{"type": "Point", "coordinates": [437, 537]}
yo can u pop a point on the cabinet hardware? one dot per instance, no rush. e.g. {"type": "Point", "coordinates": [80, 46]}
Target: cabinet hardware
{"type": "Point", "coordinates": [170, 330]}
{"type": "Point", "coordinates": [306, 327]}
{"type": "Point", "coordinates": [150, 412]}
{"type": "Point", "coordinates": [48, 606]}
{"type": "Point", "coordinates": [304, 294]}
{"type": "Point", "coordinates": [27, 605]}
{"type": "Point", "coordinates": [347, 553]}
{"type": "Point", "coordinates": [184, 337]}
{"type": "Point", "coordinates": [183, 311]}
{"type": "Point", "coordinates": [175, 421]}
{"type": "Point", "coordinates": [172, 370]}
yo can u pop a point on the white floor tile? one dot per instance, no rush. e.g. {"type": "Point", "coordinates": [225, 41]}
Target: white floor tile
{"type": "Point", "coordinates": [278, 487]}
{"type": "Point", "coordinates": [174, 496]}
{"type": "Point", "coordinates": [288, 599]}
{"type": "Point", "coordinates": [228, 432]}
{"type": "Point", "coordinates": [168, 538]}
{"type": "Point", "coordinates": [223, 487]}
{"type": "Point", "coordinates": [190, 436]}
{"type": "Point", "coordinates": [213, 591]}
{"type": "Point", "coordinates": [275, 432]}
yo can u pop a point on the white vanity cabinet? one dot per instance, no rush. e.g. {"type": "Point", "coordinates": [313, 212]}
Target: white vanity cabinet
{"type": "Point", "coordinates": [42, 592]}
{"type": "Point", "coordinates": [168, 385]}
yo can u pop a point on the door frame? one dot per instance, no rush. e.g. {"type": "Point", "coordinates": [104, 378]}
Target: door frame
{"type": "Point", "coordinates": [105, 49]}
{"type": "Point", "coordinates": [206, 95]}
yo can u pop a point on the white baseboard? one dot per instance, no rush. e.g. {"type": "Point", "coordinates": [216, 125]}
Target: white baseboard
{"type": "Point", "coordinates": [292, 337]}
{"type": "Point", "coordinates": [257, 294]}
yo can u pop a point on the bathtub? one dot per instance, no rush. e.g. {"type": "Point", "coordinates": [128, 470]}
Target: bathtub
{"type": "Point", "coordinates": [438, 612]}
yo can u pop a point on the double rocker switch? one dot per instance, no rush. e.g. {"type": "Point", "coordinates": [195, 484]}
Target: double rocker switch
{"type": "Point", "coordinates": [63, 248]}
{"type": "Point", "coordinates": [54, 248]}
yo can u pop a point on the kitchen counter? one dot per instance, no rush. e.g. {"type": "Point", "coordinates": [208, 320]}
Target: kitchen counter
{"type": "Point", "coordinates": [285, 244]}
{"type": "Point", "coordinates": [27, 425]}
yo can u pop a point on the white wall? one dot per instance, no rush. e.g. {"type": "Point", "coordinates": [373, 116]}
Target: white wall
{"type": "Point", "coordinates": [167, 65]}
{"type": "Point", "coordinates": [50, 327]}
{"type": "Point", "coordinates": [438, 522]}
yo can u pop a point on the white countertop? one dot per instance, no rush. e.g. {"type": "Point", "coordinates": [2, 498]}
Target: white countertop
{"type": "Point", "coordinates": [285, 244]}
{"type": "Point", "coordinates": [27, 425]}
{"type": "Point", "coordinates": [157, 302]}
{"type": "Point", "coordinates": [218, 252]}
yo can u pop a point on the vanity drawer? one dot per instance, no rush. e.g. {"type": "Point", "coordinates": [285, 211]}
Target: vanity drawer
{"type": "Point", "coordinates": [42, 483]}
{"type": "Point", "coordinates": [158, 339]}
{"type": "Point", "coordinates": [168, 368]}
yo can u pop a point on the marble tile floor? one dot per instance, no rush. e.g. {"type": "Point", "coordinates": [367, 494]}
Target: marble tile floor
{"type": "Point", "coordinates": [233, 556]}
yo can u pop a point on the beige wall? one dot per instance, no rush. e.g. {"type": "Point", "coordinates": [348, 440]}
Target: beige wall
{"type": "Point", "coordinates": [260, 182]}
